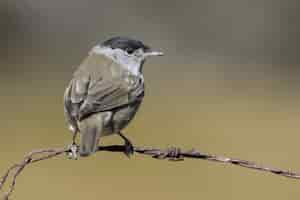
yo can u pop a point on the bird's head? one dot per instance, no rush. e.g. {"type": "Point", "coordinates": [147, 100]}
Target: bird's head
{"type": "Point", "coordinates": [127, 52]}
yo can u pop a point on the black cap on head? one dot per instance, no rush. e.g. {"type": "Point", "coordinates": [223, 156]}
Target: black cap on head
{"type": "Point", "coordinates": [127, 44]}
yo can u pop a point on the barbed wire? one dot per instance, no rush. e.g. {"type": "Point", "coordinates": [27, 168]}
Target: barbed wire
{"type": "Point", "coordinates": [172, 154]}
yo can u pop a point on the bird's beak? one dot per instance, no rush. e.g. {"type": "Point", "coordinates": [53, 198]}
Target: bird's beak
{"type": "Point", "coordinates": [154, 53]}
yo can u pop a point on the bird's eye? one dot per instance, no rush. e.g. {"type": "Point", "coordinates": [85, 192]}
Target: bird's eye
{"type": "Point", "coordinates": [129, 50]}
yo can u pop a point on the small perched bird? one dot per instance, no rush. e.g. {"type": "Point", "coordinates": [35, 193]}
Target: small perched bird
{"type": "Point", "coordinates": [106, 91]}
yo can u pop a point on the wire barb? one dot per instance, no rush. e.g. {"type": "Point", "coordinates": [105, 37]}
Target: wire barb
{"type": "Point", "coordinates": [172, 154]}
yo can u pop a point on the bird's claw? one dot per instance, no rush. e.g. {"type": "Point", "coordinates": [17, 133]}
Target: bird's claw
{"type": "Point", "coordinates": [128, 149]}
{"type": "Point", "coordinates": [73, 151]}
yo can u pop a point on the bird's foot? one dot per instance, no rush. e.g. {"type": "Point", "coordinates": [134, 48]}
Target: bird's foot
{"type": "Point", "coordinates": [128, 148]}
{"type": "Point", "coordinates": [73, 151]}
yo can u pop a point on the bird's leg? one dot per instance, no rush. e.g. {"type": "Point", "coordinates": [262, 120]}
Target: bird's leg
{"type": "Point", "coordinates": [73, 148]}
{"type": "Point", "coordinates": [74, 138]}
{"type": "Point", "coordinates": [129, 149]}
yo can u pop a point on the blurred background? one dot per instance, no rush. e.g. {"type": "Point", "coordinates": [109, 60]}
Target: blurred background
{"type": "Point", "coordinates": [229, 84]}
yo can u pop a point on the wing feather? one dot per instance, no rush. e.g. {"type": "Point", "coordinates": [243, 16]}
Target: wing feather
{"type": "Point", "coordinates": [88, 94]}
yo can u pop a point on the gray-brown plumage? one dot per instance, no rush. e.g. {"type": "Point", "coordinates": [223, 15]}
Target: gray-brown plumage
{"type": "Point", "coordinates": [104, 95]}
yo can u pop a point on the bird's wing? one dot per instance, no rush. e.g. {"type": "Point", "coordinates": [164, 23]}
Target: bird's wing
{"type": "Point", "coordinates": [70, 109]}
{"type": "Point", "coordinates": [88, 95]}
{"type": "Point", "coordinates": [106, 96]}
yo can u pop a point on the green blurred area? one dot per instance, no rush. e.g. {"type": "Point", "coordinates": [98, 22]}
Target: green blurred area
{"type": "Point", "coordinates": [229, 85]}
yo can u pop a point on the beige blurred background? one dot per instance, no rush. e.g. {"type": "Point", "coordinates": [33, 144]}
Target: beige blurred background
{"type": "Point", "coordinates": [229, 84]}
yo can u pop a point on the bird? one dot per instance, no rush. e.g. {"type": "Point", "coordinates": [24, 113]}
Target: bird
{"type": "Point", "coordinates": [106, 91]}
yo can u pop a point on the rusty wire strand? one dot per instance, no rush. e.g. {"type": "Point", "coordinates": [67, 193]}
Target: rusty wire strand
{"type": "Point", "coordinates": [172, 154]}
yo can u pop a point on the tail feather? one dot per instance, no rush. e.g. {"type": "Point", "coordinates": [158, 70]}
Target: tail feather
{"type": "Point", "coordinates": [90, 130]}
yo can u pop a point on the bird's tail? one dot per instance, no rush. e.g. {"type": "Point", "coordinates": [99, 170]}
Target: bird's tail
{"type": "Point", "coordinates": [90, 130]}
